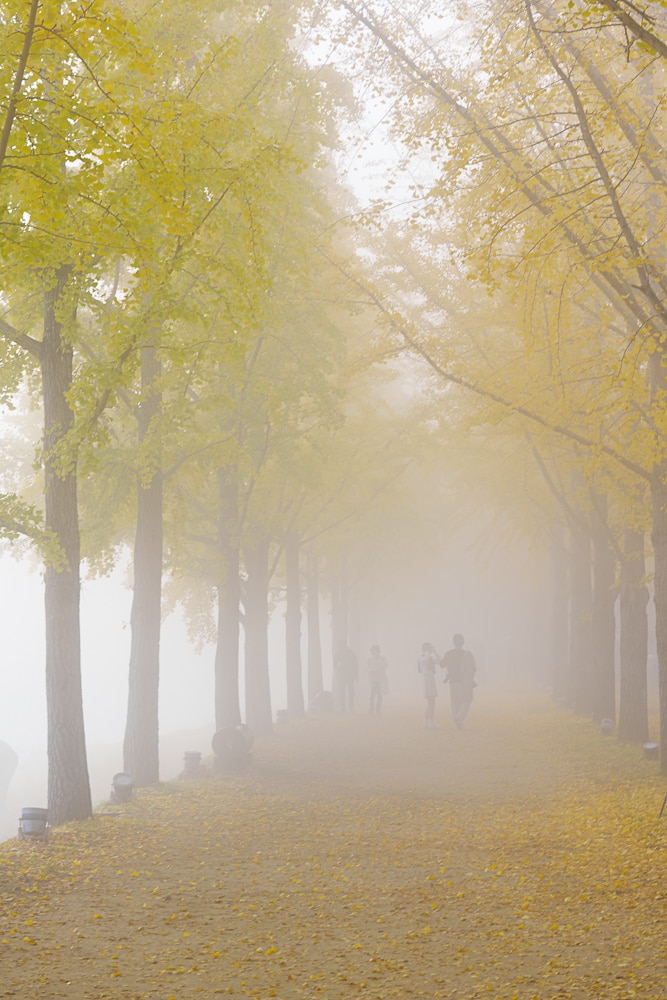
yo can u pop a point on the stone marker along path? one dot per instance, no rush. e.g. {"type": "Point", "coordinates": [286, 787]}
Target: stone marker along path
{"type": "Point", "coordinates": [361, 857]}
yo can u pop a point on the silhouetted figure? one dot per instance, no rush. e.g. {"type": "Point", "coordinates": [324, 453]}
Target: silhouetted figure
{"type": "Point", "coordinates": [426, 664]}
{"type": "Point", "coordinates": [377, 675]}
{"type": "Point", "coordinates": [345, 673]}
{"type": "Point", "coordinates": [459, 666]}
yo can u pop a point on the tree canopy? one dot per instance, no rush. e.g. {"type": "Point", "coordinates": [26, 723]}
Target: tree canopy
{"type": "Point", "coordinates": [236, 351]}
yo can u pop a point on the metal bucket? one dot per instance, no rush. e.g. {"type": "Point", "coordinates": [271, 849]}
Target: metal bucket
{"type": "Point", "coordinates": [33, 823]}
{"type": "Point", "coordinates": [121, 786]}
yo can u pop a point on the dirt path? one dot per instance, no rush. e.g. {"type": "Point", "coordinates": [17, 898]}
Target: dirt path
{"type": "Point", "coordinates": [521, 858]}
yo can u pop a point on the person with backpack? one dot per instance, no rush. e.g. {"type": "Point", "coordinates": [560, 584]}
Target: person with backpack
{"type": "Point", "coordinates": [459, 666]}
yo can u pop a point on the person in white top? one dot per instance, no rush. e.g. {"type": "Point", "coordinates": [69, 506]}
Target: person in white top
{"type": "Point", "coordinates": [427, 661]}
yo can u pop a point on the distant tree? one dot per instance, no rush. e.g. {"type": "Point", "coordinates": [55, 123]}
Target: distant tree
{"type": "Point", "coordinates": [564, 217]}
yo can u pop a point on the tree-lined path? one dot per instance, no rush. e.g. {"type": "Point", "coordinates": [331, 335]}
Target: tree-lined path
{"type": "Point", "coordinates": [522, 858]}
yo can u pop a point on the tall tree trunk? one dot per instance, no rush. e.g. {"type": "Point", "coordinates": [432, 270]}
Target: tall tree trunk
{"type": "Point", "coordinates": [357, 617]}
{"type": "Point", "coordinates": [658, 370]}
{"type": "Point", "coordinates": [295, 703]}
{"type": "Point", "coordinates": [68, 781]}
{"type": "Point", "coordinates": [604, 620]}
{"type": "Point", "coordinates": [581, 613]}
{"type": "Point", "coordinates": [558, 622]}
{"type": "Point", "coordinates": [141, 744]}
{"type": "Point", "coordinates": [633, 707]}
{"type": "Point", "coordinates": [315, 679]}
{"type": "Point", "coordinates": [256, 624]}
{"type": "Point", "coordinates": [227, 702]}
{"type": "Point", "coordinates": [659, 538]}
{"type": "Point", "coordinates": [340, 611]}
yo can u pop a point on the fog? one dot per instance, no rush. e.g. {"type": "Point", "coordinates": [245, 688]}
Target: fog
{"type": "Point", "coordinates": [499, 601]}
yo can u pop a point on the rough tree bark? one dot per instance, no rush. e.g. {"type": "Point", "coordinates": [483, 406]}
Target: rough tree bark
{"type": "Point", "coordinates": [141, 743]}
{"type": "Point", "coordinates": [68, 781]}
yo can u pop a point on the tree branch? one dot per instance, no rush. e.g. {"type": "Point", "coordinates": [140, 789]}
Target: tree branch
{"type": "Point", "coordinates": [534, 186]}
{"type": "Point", "coordinates": [29, 344]}
{"type": "Point", "coordinates": [400, 325]}
{"type": "Point", "coordinates": [18, 81]}
{"type": "Point", "coordinates": [620, 10]}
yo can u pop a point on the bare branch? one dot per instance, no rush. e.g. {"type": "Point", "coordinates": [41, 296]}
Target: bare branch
{"type": "Point", "coordinates": [401, 326]}
{"type": "Point", "coordinates": [620, 9]}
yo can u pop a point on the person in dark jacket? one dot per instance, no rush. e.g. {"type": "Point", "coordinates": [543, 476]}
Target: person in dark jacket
{"type": "Point", "coordinates": [459, 666]}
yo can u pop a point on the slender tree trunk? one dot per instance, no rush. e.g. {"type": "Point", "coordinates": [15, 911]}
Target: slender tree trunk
{"type": "Point", "coordinates": [12, 105]}
{"type": "Point", "coordinates": [604, 620]}
{"type": "Point", "coordinates": [340, 610]}
{"type": "Point", "coordinates": [295, 703]}
{"type": "Point", "coordinates": [315, 679]}
{"type": "Point", "coordinates": [581, 613]}
{"type": "Point", "coordinates": [141, 744]}
{"type": "Point", "coordinates": [633, 707]}
{"type": "Point", "coordinates": [559, 623]}
{"type": "Point", "coordinates": [357, 617]}
{"type": "Point", "coordinates": [256, 621]}
{"type": "Point", "coordinates": [68, 781]}
{"type": "Point", "coordinates": [658, 371]}
{"type": "Point", "coordinates": [659, 538]}
{"type": "Point", "coordinates": [227, 702]}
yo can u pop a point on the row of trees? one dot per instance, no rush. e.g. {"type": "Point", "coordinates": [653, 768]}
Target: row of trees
{"type": "Point", "coordinates": [534, 283]}
{"type": "Point", "coordinates": [173, 301]}
{"type": "Point", "coordinates": [217, 367]}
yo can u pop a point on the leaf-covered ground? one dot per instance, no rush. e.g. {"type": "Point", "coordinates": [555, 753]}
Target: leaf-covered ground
{"type": "Point", "coordinates": [360, 857]}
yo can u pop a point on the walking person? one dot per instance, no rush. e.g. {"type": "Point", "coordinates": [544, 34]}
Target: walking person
{"type": "Point", "coordinates": [377, 675]}
{"type": "Point", "coordinates": [426, 664]}
{"type": "Point", "coordinates": [459, 666]}
{"type": "Point", "coordinates": [346, 672]}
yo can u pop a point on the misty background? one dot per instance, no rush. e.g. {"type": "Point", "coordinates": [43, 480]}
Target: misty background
{"type": "Point", "coordinates": [495, 593]}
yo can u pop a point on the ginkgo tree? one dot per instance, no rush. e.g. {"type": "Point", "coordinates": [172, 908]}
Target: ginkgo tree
{"type": "Point", "coordinates": [552, 159]}
{"type": "Point", "coordinates": [229, 280]}
{"type": "Point", "coordinates": [545, 393]}
{"type": "Point", "coordinates": [269, 390]}
{"type": "Point", "coordinates": [66, 138]}
{"type": "Point", "coordinates": [120, 149]}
